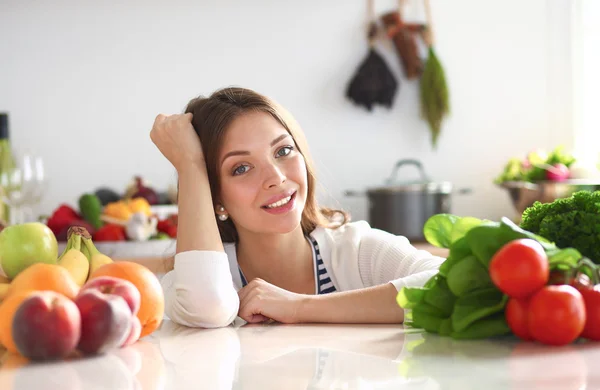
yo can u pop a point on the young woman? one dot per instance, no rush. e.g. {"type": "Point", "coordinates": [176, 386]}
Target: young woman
{"type": "Point", "coordinates": [253, 242]}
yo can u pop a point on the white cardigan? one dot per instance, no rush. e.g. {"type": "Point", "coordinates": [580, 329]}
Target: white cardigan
{"type": "Point", "coordinates": [201, 290]}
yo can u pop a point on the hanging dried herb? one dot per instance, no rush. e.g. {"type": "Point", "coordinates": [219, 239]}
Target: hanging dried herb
{"type": "Point", "coordinates": [435, 104]}
{"type": "Point", "coordinates": [435, 99]}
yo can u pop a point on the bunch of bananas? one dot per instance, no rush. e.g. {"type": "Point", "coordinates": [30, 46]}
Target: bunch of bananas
{"type": "Point", "coordinates": [81, 257]}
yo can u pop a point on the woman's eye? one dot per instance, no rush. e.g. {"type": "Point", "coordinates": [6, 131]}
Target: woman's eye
{"type": "Point", "coordinates": [241, 169]}
{"type": "Point", "coordinates": [284, 151]}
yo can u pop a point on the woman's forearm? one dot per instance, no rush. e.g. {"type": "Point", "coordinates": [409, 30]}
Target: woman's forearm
{"type": "Point", "coordinates": [373, 305]}
{"type": "Point", "coordinates": [197, 226]}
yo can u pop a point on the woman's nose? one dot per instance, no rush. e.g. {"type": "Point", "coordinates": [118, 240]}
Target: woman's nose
{"type": "Point", "coordinates": [274, 176]}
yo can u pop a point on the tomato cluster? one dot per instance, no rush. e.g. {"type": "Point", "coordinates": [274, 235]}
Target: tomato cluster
{"type": "Point", "coordinates": [541, 306]}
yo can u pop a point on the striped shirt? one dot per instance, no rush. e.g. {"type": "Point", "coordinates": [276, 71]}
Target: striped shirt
{"type": "Point", "coordinates": [324, 285]}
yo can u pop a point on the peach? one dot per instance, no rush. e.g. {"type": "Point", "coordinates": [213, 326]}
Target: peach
{"type": "Point", "coordinates": [46, 326]}
{"type": "Point", "coordinates": [117, 286]}
{"type": "Point", "coordinates": [105, 321]}
{"type": "Point", "coordinates": [134, 334]}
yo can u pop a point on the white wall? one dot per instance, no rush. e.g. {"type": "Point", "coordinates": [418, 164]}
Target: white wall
{"type": "Point", "coordinates": [83, 81]}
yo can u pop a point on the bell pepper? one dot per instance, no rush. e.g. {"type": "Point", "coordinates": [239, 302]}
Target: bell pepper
{"type": "Point", "coordinates": [110, 232]}
{"type": "Point", "coordinates": [119, 210]}
{"type": "Point", "coordinates": [61, 218]}
{"type": "Point", "coordinates": [139, 205]}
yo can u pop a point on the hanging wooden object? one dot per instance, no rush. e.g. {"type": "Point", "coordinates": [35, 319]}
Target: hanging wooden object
{"type": "Point", "coordinates": [403, 36]}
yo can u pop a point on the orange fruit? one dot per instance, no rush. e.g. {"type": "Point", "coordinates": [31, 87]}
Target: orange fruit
{"type": "Point", "coordinates": [42, 276]}
{"type": "Point", "coordinates": [8, 308]}
{"type": "Point", "coordinates": [152, 305]}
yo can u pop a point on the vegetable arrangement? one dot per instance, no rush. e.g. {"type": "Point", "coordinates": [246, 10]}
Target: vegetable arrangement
{"type": "Point", "coordinates": [538, 165]}
{"type": "Point", "coordinates": [501, 279]}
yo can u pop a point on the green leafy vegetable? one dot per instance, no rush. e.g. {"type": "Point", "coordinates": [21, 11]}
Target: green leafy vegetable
{"type": "Point", "coordinates": [569, 222]}
{"type": "Point", "coordinates": [438, 229]}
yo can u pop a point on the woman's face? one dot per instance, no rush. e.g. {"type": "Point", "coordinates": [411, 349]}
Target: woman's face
{"type": "Point", "coordinates": [263, 175]}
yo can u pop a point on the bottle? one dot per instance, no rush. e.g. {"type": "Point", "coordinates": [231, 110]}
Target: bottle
{"type": "Point", "coordinates": [7, 161]}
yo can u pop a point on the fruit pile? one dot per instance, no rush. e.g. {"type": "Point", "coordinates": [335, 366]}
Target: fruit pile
{"type": "Point", "coordinates": [110, 216]}
{"type": "Point", "coordinates": [79, 303]}
{"type": "Point", "coordinates": [500, 279]}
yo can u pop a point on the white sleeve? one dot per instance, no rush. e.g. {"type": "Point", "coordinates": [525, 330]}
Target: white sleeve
{"type": "Point", "coordinates": [199, 291]}
{"type": "Point", "coordinates": [384, 257]}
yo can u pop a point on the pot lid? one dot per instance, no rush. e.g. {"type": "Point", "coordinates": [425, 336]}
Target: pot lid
{"type": "Point", "coordinates": [424, 184]}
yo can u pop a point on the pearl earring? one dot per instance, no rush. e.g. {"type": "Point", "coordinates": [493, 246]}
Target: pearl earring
{"type": "Point", "coordinates": [223, 217]}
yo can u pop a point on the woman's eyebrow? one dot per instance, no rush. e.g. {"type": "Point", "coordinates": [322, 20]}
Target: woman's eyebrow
{"type": "Point", "coordinates": [247, 153]}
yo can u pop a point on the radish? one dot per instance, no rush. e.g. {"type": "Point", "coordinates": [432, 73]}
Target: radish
{"type": "Point", "coordinates": [557, 172]}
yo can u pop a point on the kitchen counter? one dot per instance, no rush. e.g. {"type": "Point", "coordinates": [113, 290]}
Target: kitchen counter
{"type": "Point", "coordinates": [290, 357]}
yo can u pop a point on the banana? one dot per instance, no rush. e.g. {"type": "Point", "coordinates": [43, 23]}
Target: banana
{"type": "Point", "coordinates": [97, 259]}
{"type": "Point", "coordinates": [74, 261]}
{"type": "Point", "coordinates": [3, 290]}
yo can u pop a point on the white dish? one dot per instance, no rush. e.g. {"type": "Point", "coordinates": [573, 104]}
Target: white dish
{"type": "Point", "coordinates": [133, 249]}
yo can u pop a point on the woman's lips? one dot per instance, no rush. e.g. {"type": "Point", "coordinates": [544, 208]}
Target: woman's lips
{"type": "Point", "coordinates": [283, 208]}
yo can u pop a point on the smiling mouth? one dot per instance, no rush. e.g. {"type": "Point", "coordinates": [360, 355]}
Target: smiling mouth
{"type": "Point", "coordinates": [280, 202]}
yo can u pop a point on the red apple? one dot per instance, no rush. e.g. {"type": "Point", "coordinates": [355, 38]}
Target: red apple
{"type": "Point", "coordinates": [46, 326]}
{"type": "Point", "coordinates": [105, 321]}
{"type": "Point", "coordinates": [136, 330]}
{"type": "Point", "coordinates": [116, 286]}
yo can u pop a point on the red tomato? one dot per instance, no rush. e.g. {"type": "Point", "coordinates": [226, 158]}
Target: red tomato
{"type": "Point", "coordinates": [520, 268]}
{"type": "Point", "coordinates": [591, 298]}
{"type": "Point", "coordinates": [516, 317]}
{"type": "Point", "coordinates": [556, 315]}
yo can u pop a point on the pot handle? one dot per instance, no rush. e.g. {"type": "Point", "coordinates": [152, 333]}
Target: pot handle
{"type": "Point", "coordinates": [465, 191]}
{"type": "Point", "coordinates": [354, 193]}
{"type": "Point", "coordinates": [408, 161]}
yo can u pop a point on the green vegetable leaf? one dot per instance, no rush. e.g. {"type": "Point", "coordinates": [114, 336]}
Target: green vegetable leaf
{"type": "Point", "coordinates": [468, 275]}
{"type": "Point", "coordinates": [458, 251]}
{"type": "Point", "coordinates": [440, 296]}
{"type": "Point", "coordinates": [462, 226]}
{"type": "Point", "coordinates": [427, 317]}
{"type": "Point", "coordinates": [567, 257]}
{"type": "Point", "coordinates": [438, 229]}
{"type": "Point", "coordinates": [409, 297]}
{"type": "Point", "coordinates": [492, 326]}
{"type": "Point", "coordinates": [475, 306]}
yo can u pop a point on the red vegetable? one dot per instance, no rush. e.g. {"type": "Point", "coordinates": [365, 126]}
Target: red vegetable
{"type": "Point", "coordinates": [591, 298]}
{"type": "Point", "coordinates": [167, 226]}
{"type": "Point", "coordinates": [520, 268]}
{"type": "Point", "coordinates": [61, 218]}
{"type": "Point", "coordinates": [558, 172]}
{"type": "Point", "coordinates": [556, 315]}
{"type": "Point", "coordinates": [110, 232]}
{"type": "Point", "coordinates": [516, 313]}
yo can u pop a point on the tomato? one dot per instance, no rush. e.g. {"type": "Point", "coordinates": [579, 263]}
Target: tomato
{"type": "Point", "coordinates": [556, 315]}
{"type": "Point", "coordinates": [516, 317]}
{"type": "Point", "coordinates": [591, 298]}
{"type": "Point", "coordinates": [520, 268]}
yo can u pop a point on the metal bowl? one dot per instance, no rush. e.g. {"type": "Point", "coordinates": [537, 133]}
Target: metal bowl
{"type": "Point", "coordinates": [524, 194]}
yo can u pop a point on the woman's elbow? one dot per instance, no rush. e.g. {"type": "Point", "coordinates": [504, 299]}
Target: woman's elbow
{"type": "Point", "coordinates": [202, 311]}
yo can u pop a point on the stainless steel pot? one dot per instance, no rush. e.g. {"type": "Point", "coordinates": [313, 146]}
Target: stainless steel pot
{"type": "Point", "coordinates": [403, 208]}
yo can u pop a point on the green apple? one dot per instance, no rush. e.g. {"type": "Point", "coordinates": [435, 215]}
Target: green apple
{"type": "Point", "coordinates": [26, 244]}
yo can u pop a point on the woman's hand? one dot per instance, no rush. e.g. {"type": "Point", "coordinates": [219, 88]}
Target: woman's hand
{"type": "Point", "coordinates": [177, 140]}
{"type": "Point", "coordinates": [261, 301]}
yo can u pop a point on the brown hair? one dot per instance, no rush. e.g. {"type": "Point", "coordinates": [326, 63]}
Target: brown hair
{"type": "Point", "coordinates": [211, 118]}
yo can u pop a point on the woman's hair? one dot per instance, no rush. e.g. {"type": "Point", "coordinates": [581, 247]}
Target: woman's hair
{"type": "Point", "coordinates": [211, 118]}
